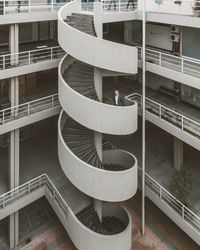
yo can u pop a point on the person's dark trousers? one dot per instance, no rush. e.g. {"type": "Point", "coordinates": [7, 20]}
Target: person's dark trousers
{"type": "Point", "coordinates": [18, 5]}
{"type": "Point", "coordinates": [114, 3]}
{"type": "Point", "coordinates": [130, 2]}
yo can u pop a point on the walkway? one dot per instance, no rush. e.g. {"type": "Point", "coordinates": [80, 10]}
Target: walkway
{"type": "Point", "coordinates": [161, 232]}
{"type": "Point", "coordinates": [127, 87]}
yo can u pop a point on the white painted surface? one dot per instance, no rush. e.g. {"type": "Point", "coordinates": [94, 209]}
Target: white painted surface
{"type": "Point", "coordinates": [100, 184]}
{"type": "Point", "coordinates": [95, 115]}
{"type": "Point", "coordinates": [84, 47]}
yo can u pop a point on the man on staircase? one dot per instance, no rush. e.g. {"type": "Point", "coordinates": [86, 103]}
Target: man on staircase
{"type": "Point", "coordinates": [118, 100]}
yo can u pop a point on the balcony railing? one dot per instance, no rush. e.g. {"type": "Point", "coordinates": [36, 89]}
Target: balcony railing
{"type": "Point", "coordinates": [28, 6]}
{"type": "Point", "coordinates": [180, 7]}
{"type": "Point", "coordinates": [31, 186]}
{"type": "Point", "coordinates": [14, 60]}
{"type": "Point", "coordinates": [185, 213]}
{"type": "Point", "coordinates": [164, 113]}
{"type": "Point", "coordinates": [188, 66]}
{"type": "Point", "coordinates": [164, 196]}
{"type": "Point", "coordinates": [29, 108]}
{"type": "Point", "coordinates": [112, 5]}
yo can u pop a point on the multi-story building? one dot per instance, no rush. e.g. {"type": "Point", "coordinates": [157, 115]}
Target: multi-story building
{"type": "Point", "coordinates": [68, 61]}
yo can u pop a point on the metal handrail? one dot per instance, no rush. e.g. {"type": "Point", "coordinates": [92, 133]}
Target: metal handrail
{"type": "Point", "coordinates": [29, 108]}
{"type": "Point", "coordinates": [44, 181]}
{"type": "Point", "coordinates": [185, 123]}
{"type": "Point", "coordinates": [189, 66]}
{"type": "Point", "coordinates": [27, 6]}
{"type": "Point", "coordinates": [120, 5]}
{"type": "Point", "coordinates": [185, 213]}
{"type": "Point", "coordinates": [175, 7]}
{"type": "Point", "coordinates": [31, 186]}
{"type": "Point", "coordinates": [13, 60]}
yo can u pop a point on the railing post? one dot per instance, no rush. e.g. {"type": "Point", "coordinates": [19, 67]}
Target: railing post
{"type": "Point", "coordinates": [160, 111]}
{"type": "Point", "coordinates": [54, 193]}
{"type": "Point", "coordinates": [119, 5]}
{"type": "Point", "coordinates": [29, 57]}
{"type": "Point", "coordinates": [182, 123]}
{"type": "Point", "coordinates": [4, 62]}
{"type": "Point", "coordinates": [40, 182]}
{"type": "Point", "coordinates": [51, 5]}
{"type": "Point", "coordinates": [3, 118]}
{"type": "Point", "coordinates": [52, 101]}
{"type": "Point", "coordinates": [4, 7]}
{"type": "Point", "coordinates": [3, 202]}
{"type": "Point", "coordinates": [28, 108]}
{"type": "Point", "coordinates": [160, 193]}
{"type": "Point", "coordinates": [160, 59]}
{"type": "Point", "coordinates": [182, 70]}
{"type": "Point", "coordinates": [29, 188]}
{"type": "Point", "coordinates": [51, 54]}
{"type": "Point", "coordinates": [183, 211]}
{"type": "Point", "coordinates": [29, 6]}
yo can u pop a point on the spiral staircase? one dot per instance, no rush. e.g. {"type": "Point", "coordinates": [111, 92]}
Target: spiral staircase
{"type": "Point", "coordinates": [108, 176]}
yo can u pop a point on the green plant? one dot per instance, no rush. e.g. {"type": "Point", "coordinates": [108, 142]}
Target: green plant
{"type": "Point", "coordinates": [181, 184]}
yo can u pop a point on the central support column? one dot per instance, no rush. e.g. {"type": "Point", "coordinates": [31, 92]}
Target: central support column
{"type": "Point", "coordinates": [14, 137]}
{"type": "Point", "coordinates": [98, 136]}
{"type": "Point", "coordinates": [98, 24]}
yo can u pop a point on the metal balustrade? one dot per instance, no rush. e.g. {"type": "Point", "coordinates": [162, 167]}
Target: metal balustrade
{"type": "Point", "coordinates": [184, 212]}
{"type": "Point", "coordinates": [164, 196]}
{"type": "Point", "coordinates": [112, 5]}
{"type": "Point", "coordinates": [44, 181]}
{"type": "Point", "coordinates": [188, 66]}
{"type": "Point", "coordinates": [182, 7]}
{"type": "Point", "coordinates": [162, 112]}
{"type": "Point", "coordinates": [14, 60]}
{"type": "Point", "coordinates": [120, 5]}
{"type": "Point", "coordinates": [29, 6]}
{"type": "Point", "coordinates": [29, 108]}
{"type": "Point", "coordinates": [31, 186]}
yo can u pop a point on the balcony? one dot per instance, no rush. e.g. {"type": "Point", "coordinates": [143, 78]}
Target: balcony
{"type": "Point", "coordinates": [181, 126]}
{"type": "Point", "coordinates": [19, 11]}
{"type": "Point", "coordinates": [29, 112]}
{"type": "Point", "coordinates": [180, 69]}
{"type": "Point", "coordinates": [29, 61]}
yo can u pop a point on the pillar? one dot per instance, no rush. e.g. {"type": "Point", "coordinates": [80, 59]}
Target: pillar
{"type": "Point", "coordinates": [98, 12]}
{"type": "Point", "coordinates": [14, 137]}
{"type": "Point", "coordinates": [178, 154]}
{"type": "Point", "coordinates": [98, 136]}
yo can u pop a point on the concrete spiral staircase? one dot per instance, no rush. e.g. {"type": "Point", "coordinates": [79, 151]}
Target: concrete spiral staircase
{"type": "Point", "coordinates": [106, 176]}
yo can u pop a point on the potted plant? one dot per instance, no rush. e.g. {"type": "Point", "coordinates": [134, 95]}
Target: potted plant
{"type": "Point", "coordinates": [181, 184]}
{"type": "Point", "coordinates": [196, 8]}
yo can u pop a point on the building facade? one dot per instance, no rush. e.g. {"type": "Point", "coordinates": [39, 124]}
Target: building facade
{"type": "Point", "coordinates": [62, 138]}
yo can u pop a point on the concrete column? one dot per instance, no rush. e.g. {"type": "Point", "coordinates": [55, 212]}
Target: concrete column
{"type": "Point", "coordinates": [178, 154]}
{"type": "Point", "coordinates": [98, 136]}
{"type": "Point", "coordinates": [14, 138]}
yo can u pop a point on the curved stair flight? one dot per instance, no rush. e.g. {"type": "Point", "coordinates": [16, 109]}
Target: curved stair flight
{"type": "Point", "coordinates": [106, 176]}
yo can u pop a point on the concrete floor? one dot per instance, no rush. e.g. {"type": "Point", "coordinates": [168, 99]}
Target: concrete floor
{"type": "Point", "coordinates": [159, 158]}
{"type": "Point", "coordinates": [160, 232]}
{"type": "Point", "coordinates": [38, 155]}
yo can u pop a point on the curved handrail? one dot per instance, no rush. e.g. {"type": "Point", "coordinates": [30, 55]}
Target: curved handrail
{"type": "Point", "coordinates": [106, 116]}
{"type": "Point", "coordinates": [113, 56]}
{"type": "Point", "coordinates": [43, 181]}
{"type": "Point", "coordinates": [88, 176]}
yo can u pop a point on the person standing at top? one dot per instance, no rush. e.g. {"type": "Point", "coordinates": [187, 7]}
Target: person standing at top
{"type": "Point", "coordinates": [118, 100]}
{"type": "Point", "coordinates": [131, 2]}
{"type": "Point", "coordinates": [114, 4]}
